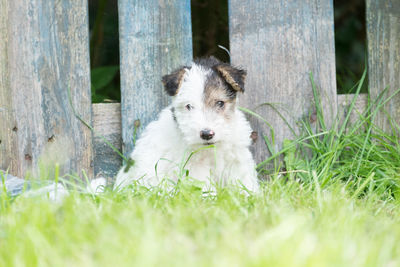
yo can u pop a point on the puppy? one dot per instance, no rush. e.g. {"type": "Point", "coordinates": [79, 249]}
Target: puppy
{"type": "Point", "coordinates": [202, 134]}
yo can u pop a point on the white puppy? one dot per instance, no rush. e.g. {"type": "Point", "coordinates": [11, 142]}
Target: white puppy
{"type": "Point", "coordinates": [201, 134]}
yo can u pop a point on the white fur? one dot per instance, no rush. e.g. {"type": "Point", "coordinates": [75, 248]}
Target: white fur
{"type": "Point", "coordinates": [166, 144]}
{"type": "Point", "coordinates": [96, 185]}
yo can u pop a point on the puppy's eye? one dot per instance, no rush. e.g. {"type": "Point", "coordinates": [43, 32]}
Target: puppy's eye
{"type": "Point", "coordinates": [189, 107]}
{"type": "Point", "coordinates": [220, 104]}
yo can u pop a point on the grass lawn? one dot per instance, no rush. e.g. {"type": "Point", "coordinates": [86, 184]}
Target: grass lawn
{"type": "Point", "coordinates": [288, 224]}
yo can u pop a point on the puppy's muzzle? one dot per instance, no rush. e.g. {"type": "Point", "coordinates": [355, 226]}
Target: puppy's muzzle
{"type": "Point", "coordinates": [207, 134]}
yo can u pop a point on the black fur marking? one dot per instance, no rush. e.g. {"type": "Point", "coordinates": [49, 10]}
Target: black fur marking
{"type": "Point", "coordinates": [215, 81]}
{"type": "Point", "coordinates": [233, 76]}
{"type": "Point", "coordinates": [208, 62]}
{"type": "Point", "coordinates": [172, 82]}
{"type": "Point", "coordinates": [173, 114]}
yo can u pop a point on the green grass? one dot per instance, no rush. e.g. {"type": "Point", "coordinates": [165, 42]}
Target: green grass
{"type": "Point", "coordinates": [289, 224]}
{"type": "Point", "coordinates": [333, 201]}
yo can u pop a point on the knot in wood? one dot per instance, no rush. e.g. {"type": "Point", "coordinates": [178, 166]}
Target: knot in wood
{"type": "Point", "coordinates": [313, 117]}
{"type": "Point", "coordinates": [254, 136]}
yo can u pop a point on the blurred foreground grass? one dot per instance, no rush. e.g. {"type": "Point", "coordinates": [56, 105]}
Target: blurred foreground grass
{"type": "Point", "coordinates": [288, 224]}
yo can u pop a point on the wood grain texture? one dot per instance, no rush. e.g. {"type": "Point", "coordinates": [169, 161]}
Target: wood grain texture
{"type": "Point", "coordinates": [6, 142]}
{"type": "Point", "coordinates": [107, 124]}
{"type": "Point", "coordinates": [155, 38]}
{"type": "Point", "coordinates": [383, 33]}
{"type": "Point", "coordinates": [47, 51]}
{"type": "Point", "coordinates": [280, 43]}
{"type": "Point", "coordinates": [344, 102]}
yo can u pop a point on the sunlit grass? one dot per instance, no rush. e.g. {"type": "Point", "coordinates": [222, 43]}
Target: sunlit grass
{"type": "Point", "coordinates": [288, 224]}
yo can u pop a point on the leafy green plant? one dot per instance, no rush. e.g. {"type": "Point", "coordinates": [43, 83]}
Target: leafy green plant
{"type": "Point", "coordinates": [102, 77]}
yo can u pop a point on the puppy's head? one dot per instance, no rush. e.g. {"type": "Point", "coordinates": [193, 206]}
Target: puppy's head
{"type": "Point", "coordinates": [204, 99]}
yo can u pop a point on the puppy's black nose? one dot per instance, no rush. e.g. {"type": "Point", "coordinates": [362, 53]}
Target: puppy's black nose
{"type": "Point", "coordinates": [207, 134]}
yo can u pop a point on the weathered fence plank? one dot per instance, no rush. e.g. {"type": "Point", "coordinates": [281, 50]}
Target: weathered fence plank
{"type": "Point", "coordinates": [383, 33]}
{"type": "Point", "coordinates": [106, 124]}
{"type": "Point", "coordinates": [280, 43]}
{"type": "Point", "coordinates": [44, 45]}
{"type": "Point", "coordinates": [6, 144]}
{"type": "Point", "coordinates": [155, 38]}
{"type": "Point", "coordinates": [360, 106]}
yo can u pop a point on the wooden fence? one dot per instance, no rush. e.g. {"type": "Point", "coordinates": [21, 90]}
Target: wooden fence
{"type": "Point", "coordinates": [45, 72]}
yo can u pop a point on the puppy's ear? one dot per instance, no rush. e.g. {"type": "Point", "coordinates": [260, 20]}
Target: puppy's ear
{"type": "Point", "coordinates": [172, 82]}
{"type": "Point", "coordinates": [233, 76]}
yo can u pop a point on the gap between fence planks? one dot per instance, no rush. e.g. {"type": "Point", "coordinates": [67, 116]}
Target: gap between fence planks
{"type": "Point", "coordinates": [107, 122]}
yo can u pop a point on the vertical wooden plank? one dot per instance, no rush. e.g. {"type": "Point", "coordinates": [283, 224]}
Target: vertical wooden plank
{"type": "Point", "coordinates": [47, 51]}
{"type": "Point", "coordinates": [360, 106]}
{"type": "Point", "coordinates": [155, 38]}
{"type": "Point", "coordinates": [5, 94]}
{"type": "Point", "coordinates": [383, 33]}
{"type": "Point", "coordinates": [280, 43]}
{"type": "Point", "coordinates": [107, 124]}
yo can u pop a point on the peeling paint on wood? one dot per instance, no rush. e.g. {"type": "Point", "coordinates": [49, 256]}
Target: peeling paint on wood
{"type": "Point", "coordinates": [280, 43]}
{"type": "Point", "coordinates": [383, 33]}
{"type": "Point", "coordinates": [155, 38]}
{"type": "Point", "coordinates": [46, 51]}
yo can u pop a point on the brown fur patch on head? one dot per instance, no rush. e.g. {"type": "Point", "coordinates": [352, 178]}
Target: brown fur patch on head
{"type": "Point", "coordinates": [172, 82]}
{"type": "Point", "coordinates": [215, 90]}
{"type": "Point", "coordinates": [233, 76]}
